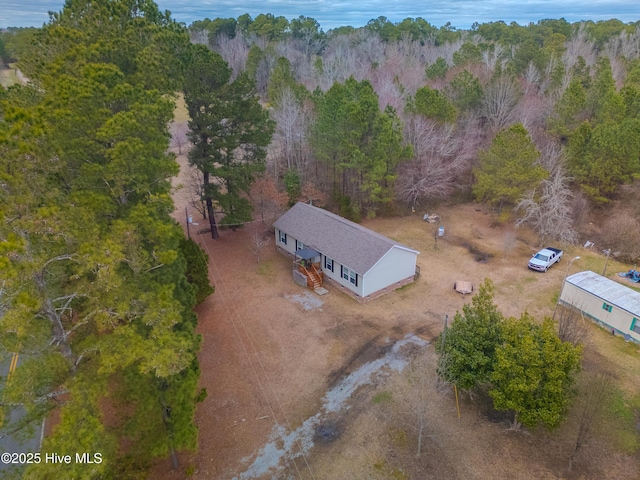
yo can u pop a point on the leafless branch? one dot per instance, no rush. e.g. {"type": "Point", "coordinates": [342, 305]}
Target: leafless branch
{"type": "Point", "coordinates": [259, 240]}
{"type": "Point", "coordinates": [441, 154]}
{"type": "Point", "coordinates": [499, 99]}
{"type": "Point", "coordinates": [572, 326]}
{"type": "Point", "coordinates": [179, 138]}
{"type": "Point", "coordinates": [550, 212]}
{"type": "Point", "coordinates": [593, 398]}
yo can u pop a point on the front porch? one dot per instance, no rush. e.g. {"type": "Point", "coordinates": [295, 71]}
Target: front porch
{"type": "Point", "coordinates": [306, 268]}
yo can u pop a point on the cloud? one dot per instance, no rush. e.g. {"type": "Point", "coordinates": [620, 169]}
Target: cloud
{"type": "Point", "coordinates": [335, 13]}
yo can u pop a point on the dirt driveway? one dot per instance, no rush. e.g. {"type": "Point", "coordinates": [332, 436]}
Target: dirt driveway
{"type": "Point", "coordinates": [271, 350]}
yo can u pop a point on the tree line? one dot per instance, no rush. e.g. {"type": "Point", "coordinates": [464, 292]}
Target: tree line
{"type": "Point", "coordinates": [456, 111]}
{"type": "Point", "coordinates": [98, 282]}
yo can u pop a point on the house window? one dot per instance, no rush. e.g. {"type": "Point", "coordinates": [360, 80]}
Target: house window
{"type": "Point", "coordinates": [328, 263]}
{"type": "Point", "coordinates": [350, 275]}
{"type": "Point", "coordinates": [299, 245]}
{"type": "Point", "coordinates": [283, 237]}
{"type": "Point", "coordinates": [635, 325]}
{"type": "Point", "coordinates": [607, 307]}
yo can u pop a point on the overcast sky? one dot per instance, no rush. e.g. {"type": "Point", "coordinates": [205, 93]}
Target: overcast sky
{"type": "Point", "coordinates": [334, 13]}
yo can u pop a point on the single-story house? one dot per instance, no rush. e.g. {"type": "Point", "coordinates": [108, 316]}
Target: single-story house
{"type": "Point", "coordinates": [611, 304]}
{"type": "Point", "coordinates": [360, 261]}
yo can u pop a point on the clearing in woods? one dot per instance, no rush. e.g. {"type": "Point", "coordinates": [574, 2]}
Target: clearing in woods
{"type": "Point", "coordinates": [273, 353]}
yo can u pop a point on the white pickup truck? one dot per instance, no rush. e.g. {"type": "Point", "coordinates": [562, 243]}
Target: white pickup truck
{"type": "Point", "coordinates": [546, 257]}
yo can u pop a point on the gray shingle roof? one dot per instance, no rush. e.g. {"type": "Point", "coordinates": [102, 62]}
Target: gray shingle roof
{"type": "Point", "coordinates": [613, 292]}
{"type": "Point", "coordinates": [348, 243]}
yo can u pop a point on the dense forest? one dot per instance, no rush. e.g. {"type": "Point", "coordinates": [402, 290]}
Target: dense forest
{"type": "Point", "coordinates": [540, 122]}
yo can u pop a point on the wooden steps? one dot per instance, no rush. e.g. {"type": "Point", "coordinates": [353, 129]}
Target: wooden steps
{"type": "Point", "coordinates": [314, 277]}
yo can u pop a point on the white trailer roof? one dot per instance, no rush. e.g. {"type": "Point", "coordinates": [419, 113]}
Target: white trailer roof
{"type": "Point", "coordinates": [612, 292]}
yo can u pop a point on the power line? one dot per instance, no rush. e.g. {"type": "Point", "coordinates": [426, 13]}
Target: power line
{"type": "Point", "coordinates": [257, 356]}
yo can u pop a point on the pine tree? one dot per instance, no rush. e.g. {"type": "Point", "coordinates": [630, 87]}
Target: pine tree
{"type": "Point", "coordinates": [508, 169]}
{"type": "Point", "coordinates": [229, 131]}
{"type": "Point", "coordinates": [96, 282]}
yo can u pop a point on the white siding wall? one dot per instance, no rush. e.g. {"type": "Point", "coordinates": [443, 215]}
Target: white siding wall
{"type": "Point", "coordinates": [336, 277]}
{"type": "Point", "coordinates": [396, 265]}
{"type": "Point", "coordinates": [591, 305]}
{"type": "Point", "coordinates": [291, 243]}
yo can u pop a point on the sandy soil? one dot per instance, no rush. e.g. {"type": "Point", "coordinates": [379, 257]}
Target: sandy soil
{"type": "Point", "coordinates": [271, 351]}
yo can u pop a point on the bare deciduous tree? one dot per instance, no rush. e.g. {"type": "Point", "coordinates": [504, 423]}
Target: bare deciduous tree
{"type": "Point", "coordinates": [310, 194]}
{"type": "Point", "coordinates": [531, 77]}
{"type": "Point", "coordinates": [549, 212]}
{"type": "Point", "coordinates": [385, 82]}
{"type": "Point", "coordinates": [572, 327]}
{"type": "Point", "coordinates": [370, 46]}
{"type": "Point", "coordinates": [551, 153]}
{"type": "Point", "coordinates": [441, 153]}
{"type": "Point", "coordinates": [234, 51]}
{"type": "Point", "coordinates": [290, 139]}
{"type": "Point", "coordinates": [492, 57]}
{"type": "Point", "coordinates": [415, 396]}
{"type": "Point", "coordinates": [195, 191]}
{"type": "Point", "coordinates": [179, 137]}
{"type": "Point", "coordinates": [532, 111]}
{"type": "Point", "coordinates": [267, 201]}
{"type": "Point", "coordinates": [580, 45]}
{"type": "Point", "coordinates": [580, 208]}
{"type": "Point", "coordinates": [259, 239]}
{"type": "Point", "coordinates": [630, 44]}
{"type": "Point", "coordinates": [620, 233]}
{"type": "Point", "coordinates": [595, 392]}
{"type": "Point", "coordinates": [199, 37]}
{"type": "Point", "coordinates": [500, 97]}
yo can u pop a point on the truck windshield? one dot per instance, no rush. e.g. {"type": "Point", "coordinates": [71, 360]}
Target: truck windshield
{"type": "Point", "coordinates": [544, 258]}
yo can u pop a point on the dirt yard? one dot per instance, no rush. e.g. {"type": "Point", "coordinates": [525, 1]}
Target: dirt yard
{"type": "Point", "coordinates": [273, 353]}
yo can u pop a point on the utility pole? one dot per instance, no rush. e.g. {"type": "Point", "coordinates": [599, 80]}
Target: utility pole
{"type": "Point", "coordinates": [189, 220]}
{"type": "Point", "coordinates": [608, 252]}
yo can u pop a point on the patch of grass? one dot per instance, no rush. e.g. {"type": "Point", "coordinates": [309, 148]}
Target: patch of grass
{"type": "Point", "coordinates": [620, 417]}
{"type": "Point", "coordinates": [595, 263]}
{"type": "Point", "coordinates": [398, 437]}
{"type": "Point", "coordinates": [627, 348]}
{"type": "Point", "coordinates": [406, 287]}
{"type": "Point", "coordinates": [531, 279]}
{"type": "Point", "coordinates": [389, 471]}
{"type": "Point", "coordinates": [265, 267]}
{"type": "Point", "coordinates": [382, 397]}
